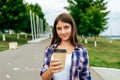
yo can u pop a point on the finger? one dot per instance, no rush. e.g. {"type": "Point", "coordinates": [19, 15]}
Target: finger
{"type": "Point", "coordinates": [58, 67]}
{"type": "Point", "coordinates": [55, 62]}
{"type": "Point", "coordinates": [55, 69]}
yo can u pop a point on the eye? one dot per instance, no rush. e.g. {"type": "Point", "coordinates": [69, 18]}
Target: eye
{"type": "Point", "coordinates": [66, 27]}
{"type": "Point", "coordinates": [59, 28]}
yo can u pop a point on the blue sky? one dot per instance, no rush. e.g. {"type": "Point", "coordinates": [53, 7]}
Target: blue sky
{"type": "Point", "coordinates": [52, 8]}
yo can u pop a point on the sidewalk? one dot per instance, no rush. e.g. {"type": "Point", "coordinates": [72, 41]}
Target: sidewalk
{"type": "Point", "coordinates": [25, 62]}
{"type": "Point", "coordinates": [108, 73]}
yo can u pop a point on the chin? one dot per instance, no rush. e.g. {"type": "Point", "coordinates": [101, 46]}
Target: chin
{"type": "Point", "coordinates": [65, 39]}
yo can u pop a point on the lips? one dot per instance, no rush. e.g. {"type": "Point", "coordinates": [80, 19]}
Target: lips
{"type": "Point", "coordinates": [64, 36]}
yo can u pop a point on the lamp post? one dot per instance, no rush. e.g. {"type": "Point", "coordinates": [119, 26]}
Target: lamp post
{"type": "Point", "coordinates": [31, 21]}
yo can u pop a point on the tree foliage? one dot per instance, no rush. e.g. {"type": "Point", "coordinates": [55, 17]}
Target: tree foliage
{"type": "Point", "coordinates": [15, 15]}
{"type": "Point", "coordinates": [97, 17]}
{"type": "Point", "coordinates": [89, 15]}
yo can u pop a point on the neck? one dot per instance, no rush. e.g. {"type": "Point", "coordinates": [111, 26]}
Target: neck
{"type": "Point", "coordinates": [65, 43]}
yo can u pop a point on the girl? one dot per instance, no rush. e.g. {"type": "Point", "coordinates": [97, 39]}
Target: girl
{"type": "Point", "coordinates": [77, 63]}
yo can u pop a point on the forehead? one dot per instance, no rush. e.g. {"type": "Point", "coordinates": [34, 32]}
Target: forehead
{"type": "Point", "coordinates": [60, 24]}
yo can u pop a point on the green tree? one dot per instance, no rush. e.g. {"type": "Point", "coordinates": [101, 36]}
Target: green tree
{"type": "Point", "coordinates": [97, 17]}
{"type": "Point", "coordinates": [89, 15]}
{"type": "Point", "coordinates": [77, 9]}
{"type": "Point", "coordinates": [12, 15]}
{"type": "Point", "coordinates": [15, 15]}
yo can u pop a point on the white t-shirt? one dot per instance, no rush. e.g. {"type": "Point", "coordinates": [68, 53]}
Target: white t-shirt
{"type": "Point", "coordinates": [64, 74]}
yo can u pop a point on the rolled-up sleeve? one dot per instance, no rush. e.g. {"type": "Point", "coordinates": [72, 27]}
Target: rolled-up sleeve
{"type": "Point", "coordinates": [46, 62]}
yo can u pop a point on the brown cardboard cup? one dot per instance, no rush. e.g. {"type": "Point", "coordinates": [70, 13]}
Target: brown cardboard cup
{"type": "Point", "coordinates": [61, 55]}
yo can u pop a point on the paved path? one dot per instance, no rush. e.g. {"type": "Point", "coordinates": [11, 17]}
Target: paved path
{"type": "Point", "coordinates": [25, 62]}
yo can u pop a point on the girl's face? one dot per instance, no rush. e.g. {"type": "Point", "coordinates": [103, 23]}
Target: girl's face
{"type": "Point", "coordinates": [63, 30]}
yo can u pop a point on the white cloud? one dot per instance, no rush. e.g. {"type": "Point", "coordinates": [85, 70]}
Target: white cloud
{"type": "Point", "coordinates": [52, 8]}
{"type": "Point", "coordinates": [114, 5]}
{"type": "Point", "coordinates": [114, 18]}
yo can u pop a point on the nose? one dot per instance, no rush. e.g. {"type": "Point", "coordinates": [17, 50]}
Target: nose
{"type": "Point", "coordinates": [63, 31]}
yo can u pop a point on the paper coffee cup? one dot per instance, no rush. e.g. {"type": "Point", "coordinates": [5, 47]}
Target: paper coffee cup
{"type": "Point", "coordinates": [61, 55]}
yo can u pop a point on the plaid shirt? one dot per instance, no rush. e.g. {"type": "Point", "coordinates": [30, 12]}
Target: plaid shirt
{"type": "Point", "coordinates": [80, 64]}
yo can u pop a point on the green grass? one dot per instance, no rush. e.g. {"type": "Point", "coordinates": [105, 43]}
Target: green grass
{"type": "Point", "coordinates": [106, 54]}
{"type": "Point", "coordinates": [4, 45]}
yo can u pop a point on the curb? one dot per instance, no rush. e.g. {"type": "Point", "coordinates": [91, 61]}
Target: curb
{"type": "Point", "coordinates": [98, 75]}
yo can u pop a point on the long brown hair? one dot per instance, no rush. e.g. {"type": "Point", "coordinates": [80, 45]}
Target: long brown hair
{"type": "Point", "coordinates": [65, 17]}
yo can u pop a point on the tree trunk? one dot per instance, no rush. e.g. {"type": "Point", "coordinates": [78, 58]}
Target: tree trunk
{"type": "Point", "coordinates": [86, 41]}
{"type": "Point", "coordinates": [95, 42]}
{"type": "Point", "coordinates": [81, 38]}
{"type": "Point", "coordinates": [25, 35]}
{"type": "Point", "coordinates": [18, 36]}
{"type": "Point", "coordinates": [3, 37]}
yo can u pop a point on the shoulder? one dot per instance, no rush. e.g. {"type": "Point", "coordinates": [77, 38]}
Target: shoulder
{"type": "Point", "coordinates": [51, 48]}
{"type": "Point", "coordinates": [81, 49]}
